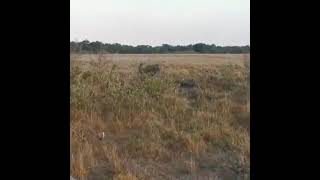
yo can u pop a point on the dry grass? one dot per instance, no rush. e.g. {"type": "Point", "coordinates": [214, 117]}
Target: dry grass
{"type": "Point", "coordinates": [153, 128]}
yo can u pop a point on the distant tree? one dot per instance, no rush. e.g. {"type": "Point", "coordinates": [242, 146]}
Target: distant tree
{"type": "Point", "coordinates": [201, 48]}
{"type": "Point", "coordinates": [164, 48]}
{"type": "Point", "coordinates": [97, 46]}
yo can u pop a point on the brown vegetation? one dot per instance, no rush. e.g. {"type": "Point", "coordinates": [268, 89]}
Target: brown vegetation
{"type": "Point", "coordinates": [156, 126]}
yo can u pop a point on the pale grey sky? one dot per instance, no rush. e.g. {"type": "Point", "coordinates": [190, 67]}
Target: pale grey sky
{"type": "Point", "coordinates": [156, 22]}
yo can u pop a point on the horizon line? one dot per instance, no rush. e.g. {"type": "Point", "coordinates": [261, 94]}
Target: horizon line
{"type": "Point", "coordinates": [127, 44]}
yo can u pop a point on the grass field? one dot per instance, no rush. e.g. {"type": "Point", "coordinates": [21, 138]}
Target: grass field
{"type": "Point", "coordinates": [190, 120]}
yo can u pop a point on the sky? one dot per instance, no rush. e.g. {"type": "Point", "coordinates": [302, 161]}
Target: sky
{"type": "Point", "coordinates": [156, 22]}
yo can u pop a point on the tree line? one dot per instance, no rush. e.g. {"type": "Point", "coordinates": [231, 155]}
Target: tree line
{"type": "Point", "coordinates": [99, 47]}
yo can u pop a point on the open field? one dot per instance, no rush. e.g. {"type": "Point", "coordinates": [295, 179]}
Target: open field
{"type": "Point", "coordinates": [196, 59]}
{"type": "Point", "coordinates": [186, 118]}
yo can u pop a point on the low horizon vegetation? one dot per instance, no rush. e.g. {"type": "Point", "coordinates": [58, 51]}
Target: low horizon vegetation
{"type": "Point", "coordinates": [100, 47]}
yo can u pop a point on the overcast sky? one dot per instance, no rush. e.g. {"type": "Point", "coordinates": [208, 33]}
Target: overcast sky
{"type": "Point", "coordinates": [156, 22]}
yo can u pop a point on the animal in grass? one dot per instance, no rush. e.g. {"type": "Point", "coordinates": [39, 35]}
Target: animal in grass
{"type": "Point", "coordinates": [151, 69]}
{"type": "Point", "coordinates": [101, 135]}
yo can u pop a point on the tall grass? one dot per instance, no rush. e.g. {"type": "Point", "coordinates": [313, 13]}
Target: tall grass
{"type": "Point", "coordinates": [155, 130]}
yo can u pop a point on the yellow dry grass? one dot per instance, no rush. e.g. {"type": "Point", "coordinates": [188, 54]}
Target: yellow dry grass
{"type": "Point", "coordinates": [153, 129]}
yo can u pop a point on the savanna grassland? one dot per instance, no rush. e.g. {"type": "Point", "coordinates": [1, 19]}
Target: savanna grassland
{"type": "Point", "coordinates": [163, 116]}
